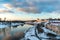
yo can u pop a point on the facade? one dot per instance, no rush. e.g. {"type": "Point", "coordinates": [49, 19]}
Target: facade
{"type": "Point", "coordinates": [55, 22]}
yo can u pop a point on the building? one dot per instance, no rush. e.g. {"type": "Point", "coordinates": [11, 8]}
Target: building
{"type": "Point", "coordinates": [55, 22]}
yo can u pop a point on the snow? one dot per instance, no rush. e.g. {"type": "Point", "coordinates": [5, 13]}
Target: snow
{"type": "Point", "coordinates": [31, 31]}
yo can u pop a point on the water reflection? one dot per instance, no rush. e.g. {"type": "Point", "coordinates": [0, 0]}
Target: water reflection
{"type": "Point", "coordinates": [13, 30]}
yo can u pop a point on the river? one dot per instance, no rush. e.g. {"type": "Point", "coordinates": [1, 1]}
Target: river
{"type": "Point", "coordinates": [14, 30]}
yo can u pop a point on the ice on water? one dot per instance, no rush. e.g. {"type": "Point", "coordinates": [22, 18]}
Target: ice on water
{"type": "Point", "coordinates": [31, 31]}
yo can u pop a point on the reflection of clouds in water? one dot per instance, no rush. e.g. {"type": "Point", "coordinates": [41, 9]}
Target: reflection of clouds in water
{"type": "Point", "coordinates": [16, 36]}
{"type": "Point", "coordinates": [16, 31]}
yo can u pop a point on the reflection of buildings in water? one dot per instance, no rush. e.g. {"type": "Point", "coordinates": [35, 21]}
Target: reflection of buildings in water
{"type": "Point", "coordinates": [54, 20]}
{"type": "Point", "coordinates": [53, 28]}
{"type": "Point", "coordinates": [54, 24]}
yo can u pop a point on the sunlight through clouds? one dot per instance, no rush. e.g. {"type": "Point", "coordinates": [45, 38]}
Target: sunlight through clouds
{"type": "Point", "coordinates": [30, 9]}
{"type": "Point", "coordinates": [8, 6]}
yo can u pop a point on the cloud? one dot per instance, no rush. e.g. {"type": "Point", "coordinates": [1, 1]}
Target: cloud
{"type": "Point", "coordinates": [28, 9]}
{"type": "Point", "coordinates": [37, 6]}
{"type": "Point", "coordinates": [34, 6]}
{"type": "Point", "coordinates": [19, 9]}
{"type": "Point", "coordinates": [8, 6]}
{"type": "Point", "coordinates": [5, 11]}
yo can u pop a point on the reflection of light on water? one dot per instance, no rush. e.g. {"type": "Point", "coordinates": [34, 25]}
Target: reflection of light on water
{"type": "Point", "coordinates": [21, 28]}
{"type": "Point", "coordinates": [25, 26]}
{"type": "Point", "coordinates": [18, 29]}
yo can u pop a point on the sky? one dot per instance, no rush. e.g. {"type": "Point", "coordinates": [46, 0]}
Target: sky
{"type": "Point", "coordinates": [29, 9]}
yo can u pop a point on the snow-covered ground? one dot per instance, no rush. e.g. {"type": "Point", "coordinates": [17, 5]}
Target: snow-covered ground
{"type": "Point", "coordinates": [30, 34]}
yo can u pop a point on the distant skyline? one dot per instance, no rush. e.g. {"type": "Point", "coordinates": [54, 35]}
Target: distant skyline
{"type": "Point", "coordinates": [29, 9]}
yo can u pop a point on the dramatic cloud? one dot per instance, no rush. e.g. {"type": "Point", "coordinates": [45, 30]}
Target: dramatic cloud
{"type": "Point", "coordinates": [28, 9]}
{"type": "Point", "coordinates": [5, 11]}
{"type": "Point", "coordinates": [34, 6]}
{"type": "Point", "coordinates": [6, 8]}
{"type": "Point", "coordinates": [9, 6]}
{"type": "Point", "coordinates": [37, 6]}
